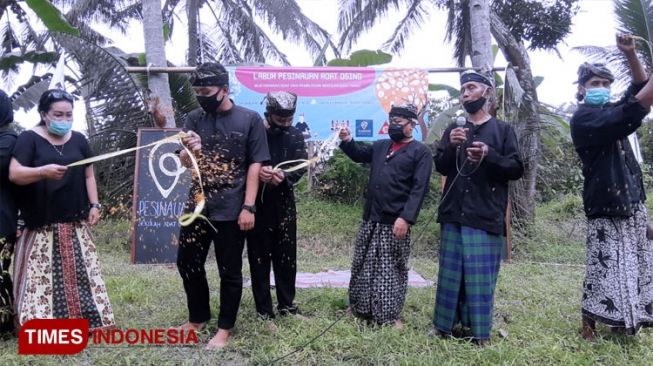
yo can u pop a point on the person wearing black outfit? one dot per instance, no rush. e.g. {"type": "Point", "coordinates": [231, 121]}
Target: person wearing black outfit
{"type": "Point", "coordinates": [618, 285]}
{"type": "Point", "coordinates": [230, 144]}
{"type": "Point", "coordinates": [400, 169]}
{"type": "Point", "coordinates": [478, 160]}
{"type": "Point", "coordinates": [274, 238]}
{"type": "Point", "coordinates": [56, 269]}
{"type": "Point", "coordinates": [8, 212]}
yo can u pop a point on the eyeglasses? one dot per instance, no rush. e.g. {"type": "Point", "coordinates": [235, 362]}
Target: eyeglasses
{"type": "Point", "coordinates": [60, 94]}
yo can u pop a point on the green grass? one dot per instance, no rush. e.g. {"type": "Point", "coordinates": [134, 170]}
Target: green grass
{"type": "Point", "coordinates": [537, 306]}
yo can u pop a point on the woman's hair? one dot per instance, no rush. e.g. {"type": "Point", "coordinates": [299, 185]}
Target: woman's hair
{"type": "Point", "coordinates": [52, 96]}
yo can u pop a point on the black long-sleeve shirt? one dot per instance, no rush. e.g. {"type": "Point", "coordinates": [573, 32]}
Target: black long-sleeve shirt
{"type": "Point", "coordinates": [275, 204]}
{"type": "Point", "coordinates": [398, 184]}
{"type": "Point", "coordinates": [478, 197]}
{"type": "Point", "coordinates": [613, 178]}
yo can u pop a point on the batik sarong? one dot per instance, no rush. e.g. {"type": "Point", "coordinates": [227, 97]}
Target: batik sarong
{"type": "Point", "coordinates": [57, 276]}
{"type": "Point", "coordinates": [469, 267]}
{"type": "Point", "coordinates": [379, 273]}
{"type": "Point", "coordinates": [618, 286]}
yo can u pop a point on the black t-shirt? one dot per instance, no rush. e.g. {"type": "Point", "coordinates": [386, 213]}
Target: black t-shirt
{"type": "Point", "coordinates": [231, 141]}
{"type": "Point", "coordinates": [51, 201]}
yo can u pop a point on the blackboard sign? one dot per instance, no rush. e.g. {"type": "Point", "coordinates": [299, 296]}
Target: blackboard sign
{"type": "Point", "coordinates": [161, 186]}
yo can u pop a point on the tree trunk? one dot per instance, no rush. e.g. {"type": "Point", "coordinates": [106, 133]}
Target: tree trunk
{"type": "Point", "coordinates": [193, 37]}
{"type": "Point", "coordinates": [479, 19]}
{"type": "Point", "coordinates": [160, 100]}
{"type": "Point", "coordinates": [527, 123]}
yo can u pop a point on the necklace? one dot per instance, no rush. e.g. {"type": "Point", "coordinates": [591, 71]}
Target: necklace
{"type": "Point", "coordinates": [58, 150]}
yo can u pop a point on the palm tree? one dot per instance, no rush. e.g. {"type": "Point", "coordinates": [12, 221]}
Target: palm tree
{"type": "Point", "coordinates": [479, 27]}
{"type": "Point", "coordinates": [114, 99]}
{"type": "Point", "coordinates": [158, 84]}
{"type": "Point", "coordinates": [235, 34]}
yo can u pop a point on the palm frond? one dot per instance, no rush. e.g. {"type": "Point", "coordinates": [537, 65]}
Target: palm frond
{"type": "Point", "coordinates": [115, 110]}
{"type": "Point", "coordinates": [11, 61]}
{"type": "Point", "coordinates": [413, 19]}
{"type": "Point", "coordinates": [613, 58]}
{"type": "Point", "coordinates": [226, 50]}
{"type": "Point", "coordinates": [8, 38]}
{"type": "Point", "coordinates": [636, 17]}
{"type": "Point", "coordinates": [286, 18]}
{"type": "Point", "coordinates": [27, 95]}
{"type": "Point", "coordinates": [356, 17]}
{"type": "Point", "coordinates": [217, 45]}
{"type": "Point", "coordinates": [116, 13]}
{"type": "Point", "coordinates": [463, 36]}
{"type": "Point", "coordinates": [254, 44]}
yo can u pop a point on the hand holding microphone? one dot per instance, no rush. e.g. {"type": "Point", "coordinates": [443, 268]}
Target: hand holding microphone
{"type": "Point", "coordinates": [458, 135]}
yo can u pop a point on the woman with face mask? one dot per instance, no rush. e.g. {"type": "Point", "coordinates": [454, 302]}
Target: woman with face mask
{"type": "Point", "coordinates": [618, 286]}
{"type": "Point", "coordinates": [56, 269]}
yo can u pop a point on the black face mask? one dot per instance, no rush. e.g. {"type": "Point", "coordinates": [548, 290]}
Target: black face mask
{"type": "Point", "coordinates": [396, 132]}
{"type": "Point", "coordinates": [275, 129]}
{"type": "Point", "coordinates": [210, 104]}
{"type": "Point", "coordinates": [474, 106]}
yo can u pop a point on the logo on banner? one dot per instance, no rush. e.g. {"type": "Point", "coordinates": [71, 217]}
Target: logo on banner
{"type": "Point", "coordinates": [364, 128]}
{"type": "Point", "coordinates": [384, 129]}
{"type": "Point", "coordinates": [71, 336]}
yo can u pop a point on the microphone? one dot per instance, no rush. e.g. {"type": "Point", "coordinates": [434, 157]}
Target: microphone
{"type": "Point", "coordinates": [460, 122]}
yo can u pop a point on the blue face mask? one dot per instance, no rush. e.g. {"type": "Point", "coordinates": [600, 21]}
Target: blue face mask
{"type": "Point", "coordinates": [60, 128]}
{"type": "Point", "coordinates": [597, 96]}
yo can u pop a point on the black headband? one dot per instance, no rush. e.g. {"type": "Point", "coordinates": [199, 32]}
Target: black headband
{"type": "Point", "coordinates": [587, 70]}
{"type": "Point", "coordinates": [220, 80]}
{"type": "Point", "coordinates": [408, 111]}
{"type": "Point", "coordinates": [472, 75]}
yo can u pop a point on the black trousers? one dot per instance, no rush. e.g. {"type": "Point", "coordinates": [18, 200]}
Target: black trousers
{"type": "Point", "coordinates": [194, 243]}
{"type": "Point", "coordinates": [274, 245]}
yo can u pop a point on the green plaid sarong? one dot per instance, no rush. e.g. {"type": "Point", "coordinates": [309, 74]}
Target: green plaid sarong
{"type": "Point", "coordinates": [469, 266]}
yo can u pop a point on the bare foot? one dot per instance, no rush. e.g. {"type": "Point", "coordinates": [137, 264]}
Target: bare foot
{"type": "Point", "coordinates": [300, 317]}
{"type": "Point", "coordinates": [587, 330]}
{"type": "Point", "coordinates": [191, 326]}
{"type": "Point", "coordinates": [398, 324]}
{"type": "Point", "coordinates": [219, 340]}
{"type": "Point", "coordinates": [270, 326]}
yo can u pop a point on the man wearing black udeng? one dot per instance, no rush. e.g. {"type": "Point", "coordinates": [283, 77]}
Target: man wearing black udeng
{"type": "Point", "coordinates": [230, 143]}
{"type": "Point", "coordinates": [274, 239]}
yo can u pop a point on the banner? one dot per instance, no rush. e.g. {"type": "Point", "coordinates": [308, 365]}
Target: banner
{"type": "Point", "coordinates": [333, 97]}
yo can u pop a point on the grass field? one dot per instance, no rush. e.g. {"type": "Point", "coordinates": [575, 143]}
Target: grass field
{"type": "Point", "coordinates": [536, 310]}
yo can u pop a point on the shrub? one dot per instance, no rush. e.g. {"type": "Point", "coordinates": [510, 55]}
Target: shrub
{"type": "Point", "coordinates": [343, 180]}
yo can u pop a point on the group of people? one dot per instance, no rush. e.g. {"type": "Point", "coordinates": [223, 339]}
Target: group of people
{"type": "Point", "coordinates": [249, 200]}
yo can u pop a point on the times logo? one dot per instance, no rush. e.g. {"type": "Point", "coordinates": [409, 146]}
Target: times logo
{"type": "Point", "coordinates": [71, 336]}
{"type": "Point", "coordinates": [53, 337]}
